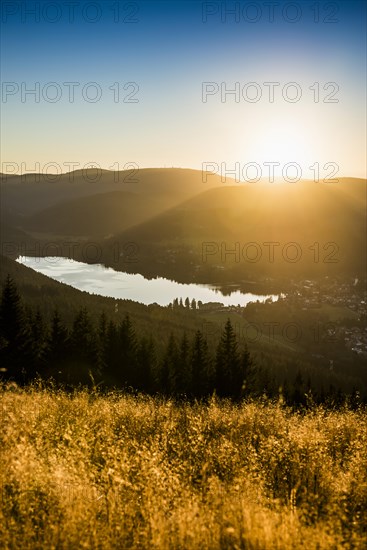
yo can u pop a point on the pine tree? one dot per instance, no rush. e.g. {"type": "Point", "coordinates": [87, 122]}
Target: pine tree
{"type": "Point", "coordinates": [167, 378]}
{"type": "Point", "coordinates": [182, 368]}
{"type": "Point", "coordinates": [17, 351]}
{"type": "Point", "coordinates": [58, 339]}
{"type": "Point", "coordinates": [146, 365]}
{"type": "Point", "coordinates": [202, 368]}
{"type": "Point", "coordinates": [228, 363]}
{"type": "Point", "coordinates": [39, 340]}
{"type": "Point", "coordinates": [127, 345]}
{"type": "Point", "coordinates": [83, 335]}
{"type": "Point", "coordinates": [11, 311]}
{"type": "Point", "coordinates": [245, 377]}
{"type": "Point", "coordinates": [57, 348]}
{"type": "Point", "coordinates": [102, 341]}
{"type": "Point", "coordinates": [84, 349]}
{"type": "Point", "coordinates": [110, 354]}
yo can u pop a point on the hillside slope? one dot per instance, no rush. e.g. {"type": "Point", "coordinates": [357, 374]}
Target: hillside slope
{"type": "Point", "coordinates": [289, 230]}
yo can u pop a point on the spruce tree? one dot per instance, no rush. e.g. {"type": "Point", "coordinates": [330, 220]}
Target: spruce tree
{"type": "Point", "coordinates": [244, 379]}
{"type": "Point", "coordinates": [110, 354]}
{"type": "Point", "coordinates": [182, 368]}
{"type": "Point", "coordinates": [102, 341]}
{"type": "Point", "coordinates": [146, 365]}
{"type": "Point", "coordinates": [167, 377]}
{"type": "Point", "coordinates": [127, 348]}
{"type": "Point", "coordinates": [202, 368]}
{"type": "Point", "coordinates": [39, 341]}
{"type": "Point", "coordinates": [11, 311]}
{"type": "Point", "coordinates": [84, 349]}
{"type": "Point", "coordinates": [228, 363]}
{"type": "Point", "coordinates": [17, 350]}
{"type": "Point", "coordinates": [57, 348]}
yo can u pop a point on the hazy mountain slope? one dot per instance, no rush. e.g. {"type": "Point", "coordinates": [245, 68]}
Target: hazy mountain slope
{"type": "Point", "coordinates": [27, 195]}
{"type": "Point", "coordinates": [332, 216]}
{"type": "Point", "coordinates": [170, 214]}
{"type": "Point", "coordinates": [287, 211]}
{"type": "Point", "coordinates": [99, 215]}
{"type": "Point", "coordinates": [93, 204]}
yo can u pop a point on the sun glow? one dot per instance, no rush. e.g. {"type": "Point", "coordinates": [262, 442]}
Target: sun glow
{"type": "Point", "coordinates": [282, 144]}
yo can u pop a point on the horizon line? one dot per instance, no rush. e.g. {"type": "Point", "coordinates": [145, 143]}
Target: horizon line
{"type": "Point", "coordinates": [99, 169]}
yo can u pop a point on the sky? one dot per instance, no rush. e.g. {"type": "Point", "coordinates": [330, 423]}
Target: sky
{"type": "Point", "coordinates": [241, 88]}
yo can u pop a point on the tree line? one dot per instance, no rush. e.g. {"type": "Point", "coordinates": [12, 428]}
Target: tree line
{"type": "Point", "coordinates": [112, 354]}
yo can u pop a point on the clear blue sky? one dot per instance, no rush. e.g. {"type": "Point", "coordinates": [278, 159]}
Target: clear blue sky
{"type": "Point", "coordinates": [168, 50]}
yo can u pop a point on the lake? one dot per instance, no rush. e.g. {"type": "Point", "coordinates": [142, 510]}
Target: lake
{"type": "Point", "coordinates": [98, 279]}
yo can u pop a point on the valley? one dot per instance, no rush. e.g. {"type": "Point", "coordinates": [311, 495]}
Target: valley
{"type": "Point", "coordinates": [232, 237]}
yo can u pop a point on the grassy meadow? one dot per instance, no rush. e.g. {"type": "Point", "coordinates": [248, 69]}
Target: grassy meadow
{"type": "Point", "coordinates": [87, 470]}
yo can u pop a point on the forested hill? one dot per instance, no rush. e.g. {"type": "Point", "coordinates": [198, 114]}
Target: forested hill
{"type": "Point", "coordinates": [40, 291]}
{"type": "Point", "coordinates": [111, 353]}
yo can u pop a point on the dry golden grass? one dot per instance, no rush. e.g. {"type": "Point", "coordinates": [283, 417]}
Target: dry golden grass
{"type": "Point", "coordinates": [93, 471]}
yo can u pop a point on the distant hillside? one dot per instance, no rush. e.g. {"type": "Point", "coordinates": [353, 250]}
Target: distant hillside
{"type": "Point", "coordinates": [100, 215]}
{"type": "Point", "coordinates": [170, 214]}
{"type": "Point", "coordinates": [91, 204]}
{"type": "Point", "coordinates": [327, 223]}
{"type": "Point", "coordinates": [27, 195]}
